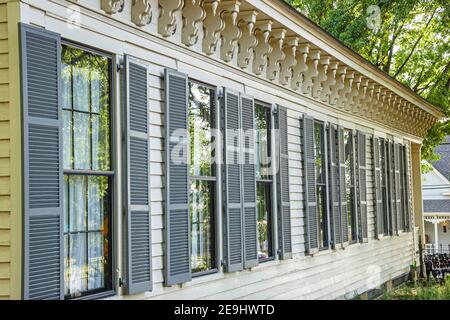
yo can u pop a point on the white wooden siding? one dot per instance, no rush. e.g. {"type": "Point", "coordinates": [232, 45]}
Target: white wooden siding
{"type": "Point", "coordinates": [330, 274]}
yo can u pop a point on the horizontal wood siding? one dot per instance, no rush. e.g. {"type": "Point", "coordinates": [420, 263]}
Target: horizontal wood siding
{"type": "Point", "coordinates": [331, 274]}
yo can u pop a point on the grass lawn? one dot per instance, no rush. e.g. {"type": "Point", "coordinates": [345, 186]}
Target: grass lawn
{"type": "Point", "coordinates": [421, 291]}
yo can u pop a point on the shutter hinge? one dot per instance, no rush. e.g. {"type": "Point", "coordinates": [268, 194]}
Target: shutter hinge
{"type": "Point", "coordinates": [120, 67]}
{"type": "Point", "coordinates": [220, 93]}
{"type": "Point", "coordinates": [121, 283]}
{"type": "Point", "coordinates": [223, 263]}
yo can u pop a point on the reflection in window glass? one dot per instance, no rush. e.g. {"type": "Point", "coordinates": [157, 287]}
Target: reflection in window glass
{"type": "Point", "coordinates": [263, 146]}
{"type": "Point", "coordinates": [202, 224]}
{"type": "Point", "coordinates": [319, 155]}
{"type": "Point", "coordinates": [350, 184]}
{"type": "Point", "coordinates": [264, 180]}
{"type": "Point", "coordinates": [201, 121]}
{"type": "Point", "coordinates": [264, 215]}
{"type": "Point", "coordinates": [202, 177]}
{"type": "Point", "coordinates": [88, 193]}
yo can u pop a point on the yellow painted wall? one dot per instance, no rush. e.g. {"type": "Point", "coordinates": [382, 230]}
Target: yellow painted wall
{"type": "Point", "coordinates": [10, 152]}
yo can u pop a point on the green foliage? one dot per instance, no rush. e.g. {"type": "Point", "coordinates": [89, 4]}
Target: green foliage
{"type": "Point", "coordinates": [421, 291]}
{"type": "Point", "coordinates": [411, 43]}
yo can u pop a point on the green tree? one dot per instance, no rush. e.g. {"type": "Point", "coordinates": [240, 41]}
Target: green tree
{"type": "Point", "coordinates": [411, 43]}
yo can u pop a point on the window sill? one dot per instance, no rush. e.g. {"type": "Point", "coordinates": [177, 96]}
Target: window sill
{"type": "Point", "coordinates": [98, 296]}
{"type": "Point", "coordinates": [204, 273]}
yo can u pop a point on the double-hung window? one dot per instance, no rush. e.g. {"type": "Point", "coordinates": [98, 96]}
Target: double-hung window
{"type": "Point", "coordinates": [264, 180]}
{"type": "Point", "coordinates": [321, 183]}
{"type": "Point", "coordinates": [384, 187]}
{"type": "Point", "coordinates": [350, 185]}
{"type": "Point", "coordinates": [88, 171]}
{"type": "Point", "coordinates": [202, 123]}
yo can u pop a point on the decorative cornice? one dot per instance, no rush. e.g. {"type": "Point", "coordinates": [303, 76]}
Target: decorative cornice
{"type": "Point", "coordinates": [167, 24]}
{"type": "Point", "coordinates": [193, 16]}
{"type": "Point", "coordinates": [112, 6]}
{"type": "Point", "coordinates": [277, 55]}
{"type": "Point", "coordinates": [248, 41]}
{"type": "Point", "coordinates": [263, 48]}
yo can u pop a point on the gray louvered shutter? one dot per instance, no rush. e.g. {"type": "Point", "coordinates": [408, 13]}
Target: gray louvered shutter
{"type": "Point", "coordinates": [233, 229]}
{"type": "Point", "coordinates": [137, 177]}
{"type": "Point", "coordinates": [249, 183]}
{"type": "Point", "coordinates": [378, 198]}
{"type": "Point", "coordinates": [333, 159]}
{"type": "Point", "coordinates": [177, 219]}
{"type": "Point", "coordinates": [362, 183]}
{"type": "Point", "coordinates": [407, 189]}
{"type": "Point", "coordinates": [343, 187]}
{"type": "Point", "coordinates": [312, 216]}
{"type": "Point", "coordinates": [284, 207]}
{"type": "Point", "coordinates": [397, 181]}
{"type": "Point", "coordinates": [42, 164]}
{"type": "Point", "coordinates": [392, 202]}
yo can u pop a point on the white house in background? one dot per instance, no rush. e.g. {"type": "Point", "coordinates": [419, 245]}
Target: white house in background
{"type": "Point", "coordinates": [436, 195]}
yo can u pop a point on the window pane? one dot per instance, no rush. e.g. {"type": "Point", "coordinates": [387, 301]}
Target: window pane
{"type": "Point", "coordinates": [66, 75]}
{"type": "Point", "coordinates": [101, 142]}
{"type": "Point", "coordinates": [318, 152]}
{"type": "Point", "coordinates": [77, 203]}
{"type": "Point", "coordinates": [202, 194]}
{"type": "Point", "coordinates": [96, 263]}
{"type": "Point", "coordinates": [263, 146]}
{"type": "Point", "coordinates": [97, 202]}
{"type": "Point", "coordinates": [322, 213]}
{"type": "Point", "coordinates": [350, 184]}
{"type": "Point", "coordinates": [77, 275]}
{"type": "Point", "coordinates": [264, 207]}
{"type": "Point", "coordinates": [67, 140]}
{"type": "Point", "coordinates": [82, 148]}
{"type": "Point", "coordinates": [201, 120]}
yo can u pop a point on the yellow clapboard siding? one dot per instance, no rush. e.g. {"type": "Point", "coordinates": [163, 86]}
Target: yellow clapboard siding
{"type": "Point", "coordinates": [5, 167]}
{"type": "Point", "coordinates": [4, 92]}
{"type": "Point", "coordinates": [5, 254]}
{"type": "Point", "coordinates": [4, 57]}
{"type": "Point", "coordinates": [4, 111]}
{"type": "Point", "coordinates": [4, 130]}
{"type": "Point", "coordinates": [5, 220]}
{"type": "Point", "coordinates": [4, 46]}
{"type": "Point", "coordinates": [5, 149]}
{"type": "Point", "coordinates": [5, 203]}
{"type": "Point", "coordinates": [3, 17]}
{"type": "Point", "coordinates": [4, 75]}
{"type": "Point", "coordinates": [5, 186]}
{"type": "Point", "coordinates": [3, 31]}
{"type": "Point", "coordinates": [5, 270]}
{"type": "Point", "coordinates": [5, 237]}
{"type": "Point", "coordinates": [4, 287]}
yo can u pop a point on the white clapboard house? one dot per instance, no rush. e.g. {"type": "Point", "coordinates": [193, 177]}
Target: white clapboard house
{"type": "Point", "coordinates": [200, 149]}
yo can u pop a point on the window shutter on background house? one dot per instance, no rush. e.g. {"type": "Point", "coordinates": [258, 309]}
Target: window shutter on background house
{"type": "Point", "coordinates": [249, 183]}
{"type": "Point", "coordinates": [284, 207]}
{"type": "Point", "coordinates": [233, 229]}
{"type": "Point", "coordinates": [407, 190]}
{"type": "Point", "coordinates": [378, 198]}
{"type": "Point", "coordinates": [343, 187]}
{"type": "Point", "coordinates": [397, 181]}
{"type": "Point", "coordinates": [361, 140]}
{"type": "Point", "coordinates": [312, 218]}
{"type": "Point", "coordinates": [177, 267]}
{"type": "Point", "coordinates": [43, 165]}
{"type": "Point", "coordinates": [137, 177]}
{"type": "Point", "coordinates": [334, 185]}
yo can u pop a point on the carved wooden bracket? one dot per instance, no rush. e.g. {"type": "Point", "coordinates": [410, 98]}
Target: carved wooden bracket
{"type": "Point", "coordinates": [289, 50]}
{"type": "Point", "coordinates": [339, 85]}
{"type": "Point", "coordinates": [354, 94]}
{"type": "Point", "coordinates": [312, 72]}
{"type": "Point", "coordinates": [318, 84]}
{"type": "Point", "coordinates": [231, 33]}
{"type": "Point", "coordinates": [298, 73]}
{"type": "Point", "coordinates": [331, 81]}
{"type": "Point", "coordinates": [248, 41]}
{"type": "Point", "coordinates": [141, 12]}
{"type": "Point", "coordinates": [277, 55]}
{"type": "Point", "coordinates": [212, 26]}
{"type": "Point", "coordinates": [358, 100]}
{"type": "Point", "coordinates": [263, 49]}
{"type": "Point", "coordinates": [348, 87]}
{"type": "Point", "coordinates": [112, 6]}
{"type": "Point", "coordinates": [167, 24]}
{"type": "Point", "coordinates": [193, 16]}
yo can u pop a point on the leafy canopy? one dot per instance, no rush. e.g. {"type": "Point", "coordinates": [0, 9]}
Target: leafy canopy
{"type": "Point", "coordinates": [408, 39]}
